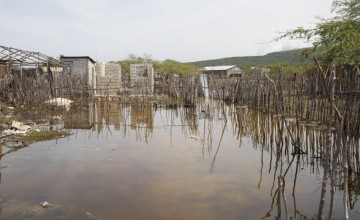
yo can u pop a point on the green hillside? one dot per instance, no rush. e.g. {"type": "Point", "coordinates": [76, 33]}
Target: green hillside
{"type": "Point", "coordinates": [283, 57]}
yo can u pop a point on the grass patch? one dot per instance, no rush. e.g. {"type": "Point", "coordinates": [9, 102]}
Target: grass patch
{"type": "Point", "coordinates": [5, 120]}
{"type": "Point", "coordinates": [37, 136]}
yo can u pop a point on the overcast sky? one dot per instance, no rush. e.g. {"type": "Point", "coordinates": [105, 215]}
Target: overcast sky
{"type": "Point", "coordinates": [184, 30]}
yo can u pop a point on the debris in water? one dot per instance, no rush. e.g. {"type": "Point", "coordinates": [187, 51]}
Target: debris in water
{"type": "Point", "coordinates": [32, 211]}
{"type": "Point", "coordinates": [88, 214]}
{"type": "Point", "coordinates": [13, 132]}
{"type": "Point", "coordinates": [45, 204]}
{"type": "Point", "coordinates": [60, 102]}
{"type": "Point", "coordinates": [194, 136]}
{"type": "Point", "coordinates": [20, 126]}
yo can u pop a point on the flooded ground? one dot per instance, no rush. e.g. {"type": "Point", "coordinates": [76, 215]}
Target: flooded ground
{"type": "Point", "coordinates": [169, 162]}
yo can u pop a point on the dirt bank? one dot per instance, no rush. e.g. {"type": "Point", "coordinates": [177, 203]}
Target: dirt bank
{"type": "Point", "coordinates": [22, 126]}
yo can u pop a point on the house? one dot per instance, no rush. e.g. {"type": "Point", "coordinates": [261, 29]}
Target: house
{"type": "Point", "coordinates": [82, 66]}
{"type": "Point", "coordinates": [103, 78]}
{"type": "Point", "coordinates": [229, 71]}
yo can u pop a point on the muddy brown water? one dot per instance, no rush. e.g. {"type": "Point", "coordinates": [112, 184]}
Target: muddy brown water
{"type": "Point", "coordinates": [128, 162]}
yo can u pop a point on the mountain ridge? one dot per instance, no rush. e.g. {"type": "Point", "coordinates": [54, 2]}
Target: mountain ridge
{"type": "Point", "coordinates": [289, 57]}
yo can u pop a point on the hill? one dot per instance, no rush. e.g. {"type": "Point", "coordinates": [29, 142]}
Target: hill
{"type": "Point", "coordinates": [282, 57]}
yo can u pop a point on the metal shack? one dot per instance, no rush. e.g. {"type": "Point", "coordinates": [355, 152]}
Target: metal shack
{"type": "Point", "coordinates": [229, 71]}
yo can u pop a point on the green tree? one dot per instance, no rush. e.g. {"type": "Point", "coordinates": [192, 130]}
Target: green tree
{"type": "Point", "coordinates": [146, 58]}
{"type": "Point", "coordinates": [158, 66]}
{"type": "Point", "coordinates": [167, 66]}
{"type": "Point", "coordinates": [175, 67]}
{"type": "Point", "coordinates": [337, 38]}
{"type": "Point", "coordinates": [125, 66]}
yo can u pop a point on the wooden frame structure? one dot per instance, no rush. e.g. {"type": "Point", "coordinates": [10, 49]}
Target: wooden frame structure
{"type": "Point", "coordinates": [13, 56]}
{"type": "Point", "coordinates": [32, 77]}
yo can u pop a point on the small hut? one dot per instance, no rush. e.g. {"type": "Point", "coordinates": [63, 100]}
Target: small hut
{"type": "Point", "coordinates": [225, 71]}
{"type": "Point", "coordinates": [82, 66]}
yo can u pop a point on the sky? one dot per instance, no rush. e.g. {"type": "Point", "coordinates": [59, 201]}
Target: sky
{"type": "Point", "coordinates": [183, 30]}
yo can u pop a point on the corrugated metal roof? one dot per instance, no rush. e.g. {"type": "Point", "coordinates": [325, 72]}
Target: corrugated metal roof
{"type": "Point", "coordinates": [218, 68]}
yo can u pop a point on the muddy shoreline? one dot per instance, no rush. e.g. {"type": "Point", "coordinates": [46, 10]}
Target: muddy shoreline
{"type": "Point", "coordinates": [25, 125]}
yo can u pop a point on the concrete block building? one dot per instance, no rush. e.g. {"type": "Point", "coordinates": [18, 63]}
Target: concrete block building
{"type": "Point", "coordinates": [84, 67]}
{"type": "Point", "coordinates": [108, 78]}
{"type": "Point", "coordinates": [102, 78]}
{"type": "Point", "coordinates": [142, 78]}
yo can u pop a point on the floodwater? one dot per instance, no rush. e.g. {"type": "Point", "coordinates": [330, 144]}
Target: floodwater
{"type": "Point", "coordinates": [132, 162]}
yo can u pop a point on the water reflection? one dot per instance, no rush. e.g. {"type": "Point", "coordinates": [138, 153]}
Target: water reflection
{"type": "Point", "coordinates": [254, 161]}
{"type": "Point", "coordinates": [99, 116]}
{"type": "Point", "coordinates": [82, 116]}
{"type": "Point", "coordinates": [303, 146]}
{"type": "Point", "coordinates": [293, 146]}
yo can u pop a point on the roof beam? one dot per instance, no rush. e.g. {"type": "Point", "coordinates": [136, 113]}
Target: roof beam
{"type": "Point", "coordinates": [17, 56]}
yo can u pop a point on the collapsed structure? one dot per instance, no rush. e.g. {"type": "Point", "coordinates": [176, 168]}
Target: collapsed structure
{"type": "Point", "coordinates": [28, 76]}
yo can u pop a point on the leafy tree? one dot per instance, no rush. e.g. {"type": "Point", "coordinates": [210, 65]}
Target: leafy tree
{"type": "Point", "coordinates": [337, 38]}
{"type": "Point", "coordinates": [167, 66]}
{"type": "Point", "coordinates": [158, 66]}
{"type": "Point", "coordinates": [175, 67]}
{"type": "Point", "coordinates": [146, 58]}
{"type": "Point", "coordinates": [125, 66]}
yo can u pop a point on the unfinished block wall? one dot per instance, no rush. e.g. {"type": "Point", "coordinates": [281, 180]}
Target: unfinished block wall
{"type": "Point", "coordinates": [142, 79]}
{"type": "Point", "coordinates": [108, 78]}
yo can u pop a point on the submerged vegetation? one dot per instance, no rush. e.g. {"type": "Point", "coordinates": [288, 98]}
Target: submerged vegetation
{"type": "Point", "coordinates": [37, 136]}
{"type": "Point", "coordinates": [336, 47]}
